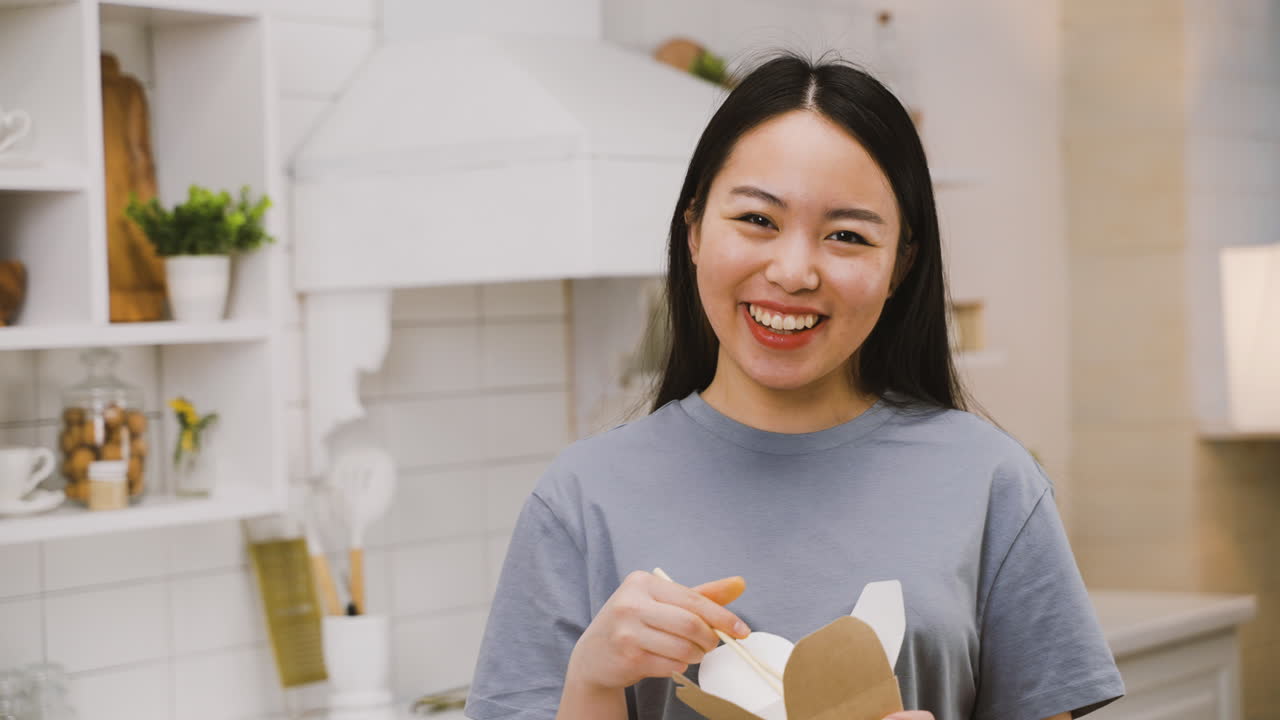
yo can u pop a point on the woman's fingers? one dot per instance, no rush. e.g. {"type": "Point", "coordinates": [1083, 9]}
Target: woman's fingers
{"type": "Point", "coordinates": [698, 604]}
{"type": "Point", "coordinates": [911, 715]}
{"type": "Point", "coordinates": [680, 622]}
{"type": "Point", "coordinates": [722, 591]}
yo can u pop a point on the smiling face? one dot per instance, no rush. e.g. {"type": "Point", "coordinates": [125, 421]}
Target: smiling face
{"type": "Point", "coordinates": [795, 253]}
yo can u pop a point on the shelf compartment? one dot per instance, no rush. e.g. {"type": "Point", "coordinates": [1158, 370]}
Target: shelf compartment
{"type": "Point", "coordinates": [43, 179]}
{"type": "Point", "coordinates": [73, 520]}
{"type": "Point", "coordinates": [48, 233]}
{"type": "Point", "coordinates": [21, 337]}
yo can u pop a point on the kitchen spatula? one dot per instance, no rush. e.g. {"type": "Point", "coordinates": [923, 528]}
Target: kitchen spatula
{"type": "Point", "coordinates": [364, 479]}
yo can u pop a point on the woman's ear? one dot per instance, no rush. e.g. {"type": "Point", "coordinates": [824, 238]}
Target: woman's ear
{"type": "Point", "coordinates": [906, 258]}
{"type": "Point", "coordinates": [693, 235]}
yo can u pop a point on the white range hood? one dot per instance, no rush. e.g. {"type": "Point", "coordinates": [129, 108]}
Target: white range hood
{"type": "Point", "coordinates": [454, 159]}
{"type": "Point", "coordinates": [465, 159]}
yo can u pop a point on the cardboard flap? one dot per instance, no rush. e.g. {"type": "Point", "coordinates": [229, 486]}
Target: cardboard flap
{"type": "Point", "coordinates": [827, 664]}
{"type": "Point", "coordinates": [708, 705]}
{"type": "Point", "coordinates": [874, 703]}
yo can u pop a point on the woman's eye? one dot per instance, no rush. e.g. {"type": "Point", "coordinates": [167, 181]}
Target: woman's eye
{"type": "Point", "coordinates": [849, 236]}
{"type": "Point", "coordinates": [756, 219]}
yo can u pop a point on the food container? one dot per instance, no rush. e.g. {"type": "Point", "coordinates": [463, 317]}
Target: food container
{"type": "Point", "coordinates": [102, 419]}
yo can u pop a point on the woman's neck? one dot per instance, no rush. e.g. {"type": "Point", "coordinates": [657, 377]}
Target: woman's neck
{"type": "Point", "coordinates": [823, 404]}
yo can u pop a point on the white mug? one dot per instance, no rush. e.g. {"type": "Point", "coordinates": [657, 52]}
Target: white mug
{"type": "Point", "coordinates": [22, 469]}
{"type": "Point", "coordinates": [14, 125]}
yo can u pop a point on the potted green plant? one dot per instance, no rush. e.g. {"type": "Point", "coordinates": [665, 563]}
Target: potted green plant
{"type": "Point", "coordinates": [196, 239]}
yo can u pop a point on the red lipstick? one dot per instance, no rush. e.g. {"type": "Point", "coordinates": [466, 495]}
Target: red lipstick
{"type": "Point", "coordinates": [778, 341]}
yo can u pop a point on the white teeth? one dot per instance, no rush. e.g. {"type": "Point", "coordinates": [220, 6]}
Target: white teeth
{"type": "Point", "coordinates": [779, 321]}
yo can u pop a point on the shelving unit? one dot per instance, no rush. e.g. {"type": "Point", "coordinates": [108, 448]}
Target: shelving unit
{"type": "Point", "coordinates": [211, 100]}
{"type": "Point", "coordinates": [153, 512]}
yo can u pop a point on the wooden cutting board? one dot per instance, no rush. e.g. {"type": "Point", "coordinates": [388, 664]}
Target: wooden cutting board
{"type": "Point", "coordinates": [136, 274]}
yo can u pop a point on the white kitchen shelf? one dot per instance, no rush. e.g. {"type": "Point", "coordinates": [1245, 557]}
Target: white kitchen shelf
{"type": "Point", "coordinates": [196, 58]}
{"type": "Point", "coordinates": [19, 337]}
{"type": "Point", "coordinates": [43, 179]}
{"type": "Point", "coordinates": [74, 520]}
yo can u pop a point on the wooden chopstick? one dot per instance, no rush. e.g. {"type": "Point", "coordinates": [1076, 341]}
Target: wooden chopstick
{"type": "Point", "coordinates": [766, 673]}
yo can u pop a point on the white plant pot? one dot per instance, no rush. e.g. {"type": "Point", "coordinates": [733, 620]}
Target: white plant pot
{"type": "Point", "coordinates": [198, 286]}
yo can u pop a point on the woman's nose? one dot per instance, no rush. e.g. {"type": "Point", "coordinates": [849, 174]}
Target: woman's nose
{"type": "Point", "coordinates": [792, 266]}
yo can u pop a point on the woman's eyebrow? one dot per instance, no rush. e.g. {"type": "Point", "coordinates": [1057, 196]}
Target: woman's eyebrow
{"type": "Point", "coordinates": [832, 214]}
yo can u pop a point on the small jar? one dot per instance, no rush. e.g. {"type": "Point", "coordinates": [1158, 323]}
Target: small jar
{"type": "Point", "coordinates": [48, 692]}
{"type": "Point", "coordinates": [102, 419]}
{"type": "Point", "coordinates": [13, 696]}
{"type": "Point", "coordinates": [108, 485]}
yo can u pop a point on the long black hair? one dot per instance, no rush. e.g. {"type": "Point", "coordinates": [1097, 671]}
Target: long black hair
{"type": "Point", "coordinates": [907, 352]}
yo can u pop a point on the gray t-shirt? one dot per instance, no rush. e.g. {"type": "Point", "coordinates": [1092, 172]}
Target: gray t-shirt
{"type": "Point", "coordinates": [999, 625]}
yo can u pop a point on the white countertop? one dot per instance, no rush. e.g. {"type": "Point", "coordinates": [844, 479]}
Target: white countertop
{"type": "Point", "coordinates": [1138, 621]}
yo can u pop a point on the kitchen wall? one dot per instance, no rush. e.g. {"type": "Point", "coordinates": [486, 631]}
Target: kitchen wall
{"type": "Point", "coordinates": [1172, 152]}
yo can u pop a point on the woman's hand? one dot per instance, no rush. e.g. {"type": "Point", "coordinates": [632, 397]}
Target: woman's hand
{"type": "Point", "coordinates": [652, 627]}
{"type": "Point", "coordinates": [911, 715]}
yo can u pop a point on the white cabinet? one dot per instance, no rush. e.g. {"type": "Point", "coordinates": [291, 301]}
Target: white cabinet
{"type": "Point", "coordinates": [211, 98]}
{"type": "Point", "coordinates": [1179, 653]}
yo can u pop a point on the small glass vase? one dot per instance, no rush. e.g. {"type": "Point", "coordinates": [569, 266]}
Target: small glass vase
{"type": "Point", "coordinates": [194, 473]}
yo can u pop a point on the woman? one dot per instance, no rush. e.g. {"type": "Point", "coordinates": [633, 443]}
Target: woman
{"type": "Point", "coordinates": [809, 434]}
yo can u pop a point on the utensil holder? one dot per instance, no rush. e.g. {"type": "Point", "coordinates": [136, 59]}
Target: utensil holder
{"type": "Point", "coordinates": [357, 656]}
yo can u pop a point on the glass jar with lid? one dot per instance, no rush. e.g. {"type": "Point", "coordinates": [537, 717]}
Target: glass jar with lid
{"type": "Point", "coordinates": [102, 419]}
{"type": "Point", "coordinates": [48, 692]}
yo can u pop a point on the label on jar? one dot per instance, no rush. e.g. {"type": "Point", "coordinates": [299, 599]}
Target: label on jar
{"type": "Point", "coordinates": [107, 494]}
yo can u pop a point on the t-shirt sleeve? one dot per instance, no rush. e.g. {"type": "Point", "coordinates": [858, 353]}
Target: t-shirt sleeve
{"type": "Point", "coordinates": [1042, 650]}
{"type": "Point", "coordinates": [538, 613]}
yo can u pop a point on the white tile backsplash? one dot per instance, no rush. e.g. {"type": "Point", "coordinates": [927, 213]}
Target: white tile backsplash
{"type": "Point", "coordinates": [19, 570]}
{"type": "Point", "coordinates": [216, 612]}
{"type": "Point", "coordinates": [228, 685]}
{"type": "Point", "coordinates": [101, 560]}
{"type": "Point", "coordinates": [507, 486]}
{"type": "Point", "coordinates": [210, 546]}
{"type": "Point", "coordinates": [436, 431]}
{"type": "Point", "coordinates": [136, 692]}
{"type": "Point", "coordinates": [433, 505]}
{"type": "Point", "coordinates": [21, 632]}
{"type": "Point", "coordinates": [438, 576]}
{"type": "Point", "coordinates": [524, 353]}
{"type": "Point", "coordinates": [437, 652]}
{"type": "Point", "coordinates": [436, 304]}
{"type": "Point", "coordinates": [523, 424]}
{"type": "Point", "coordinates": [496, 554]}
{"type": "Point", "coordinates": [378, 581]}
{"type": "Point", "coordinates": [103, 628]}
{"type": "Point", "coordinates": [430, 359]}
